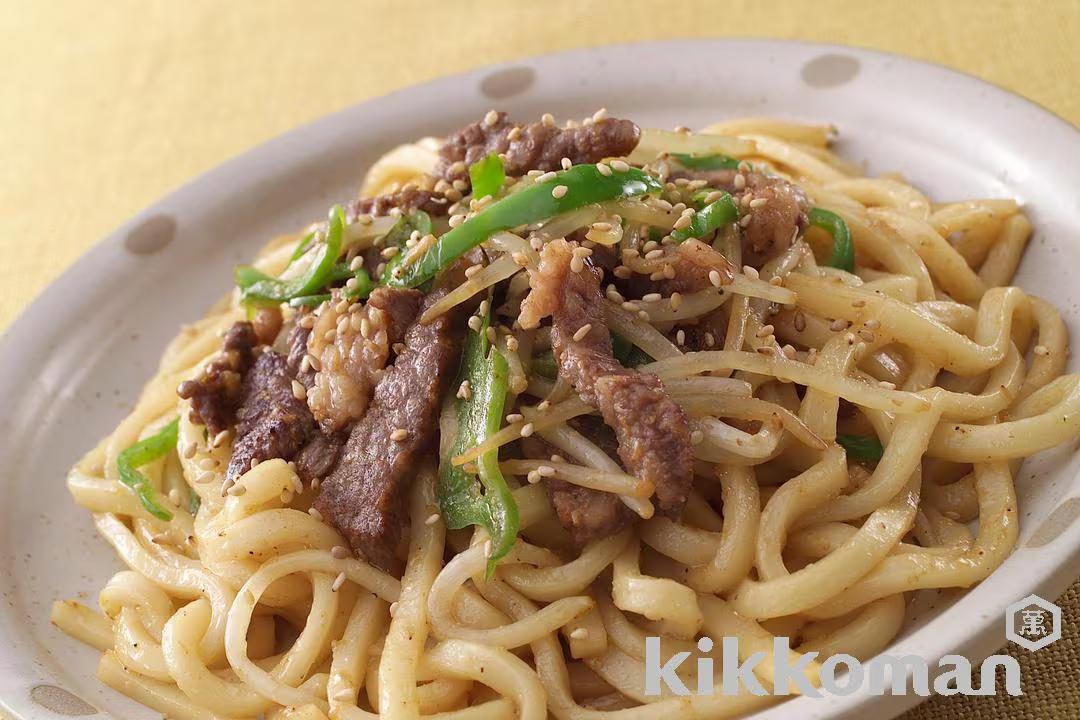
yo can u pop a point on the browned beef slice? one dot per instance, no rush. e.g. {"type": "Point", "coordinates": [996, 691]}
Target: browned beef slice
{"type": "Point", "coordinates": [536, 146]}
{"type": "Point", "coordinates": [318, 456]}
{"type": "Point", "coordinates": [215, 394]}
{"type": "Point", "coordinates": [298, 346]}
{"type": "Point", "coordinates": [588, 514]}
{"type": "Point", "coordinates": [773, 225]}
{"type": "Point", "coordinates": [271, 421]}
{"type": "Point", "coordinates": [653, 431]}
{"type": "Point", "coordinates": [407, 199]}
{"type": "Point", "coordinates": [364, 495]}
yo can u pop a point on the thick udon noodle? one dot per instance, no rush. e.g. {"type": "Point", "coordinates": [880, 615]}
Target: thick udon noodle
{"type": "Point", "coordinates": [833, 557]}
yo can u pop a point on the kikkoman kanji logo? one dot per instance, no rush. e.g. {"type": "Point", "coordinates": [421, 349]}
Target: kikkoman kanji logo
{"type": "Point", "coordinates": [1032, 622]}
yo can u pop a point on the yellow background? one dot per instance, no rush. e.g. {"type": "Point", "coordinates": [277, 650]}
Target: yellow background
{"type": "Point", "coordinates": [106, 105]}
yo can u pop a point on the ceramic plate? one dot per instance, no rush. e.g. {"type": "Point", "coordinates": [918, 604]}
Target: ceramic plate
{"type": "Point", "coordinates": [75, 360]}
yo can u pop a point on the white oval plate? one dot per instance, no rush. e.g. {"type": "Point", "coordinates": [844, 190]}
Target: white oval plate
{"type": "Point", "coordinates": [76, 358]}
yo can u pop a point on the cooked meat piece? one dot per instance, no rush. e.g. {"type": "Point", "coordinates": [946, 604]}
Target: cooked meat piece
{"type": "Point", "coordinates": [773, 225]}
{"type": "Point", "coordinates": [318, 456]}
{"type": "Point", "coordinates": [271, 422]}
{"type": "Point", "coordinates": [653, 432]}
{"type": "Point", "coordinates": [215, 394]}
{"type": "Point", "coordinates": [684, 267]}
{"type": "Point", "coordinates": [351, 349]}
{"type": "Point", "coordinates": [364, 495]}
{"type": "Point", "coordinates": [407, 199]}
{"type": "Point", "coordinates": [297, 349]}
{"type": "Point", "coordinates": [535, 146]}
{"type": "Point", "coordinates": [588, 514]}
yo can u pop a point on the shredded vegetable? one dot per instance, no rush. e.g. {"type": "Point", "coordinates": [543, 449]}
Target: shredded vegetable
{"type": "Point", "coordinates": [483, 498]}
{"type": "Point", "coordinates": [142, 452]}
{"type": "Point", "coordinates": [487, 176]}
{"type": "Point", "coordinates": [569, 190]}
{"type": "Point", "coordinates": [843, 250]}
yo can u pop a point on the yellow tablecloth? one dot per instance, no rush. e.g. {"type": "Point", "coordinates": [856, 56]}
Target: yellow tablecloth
{"type": "Point", "coordinates": [105, 106]}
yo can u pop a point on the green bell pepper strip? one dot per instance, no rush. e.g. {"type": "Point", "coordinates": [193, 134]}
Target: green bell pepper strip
{"type": "Point", "coordinates": [861, 447]}
{"type": "Point", "coordinates": [712, 217]}
{"type": "Point", "coordinates": [487, 176]}
{"type": "Point", "coordinates": [302, 247]}
{"type": "Point", "coordinates": [706, 162]}
{"type": "Point", "coordinates": [140, 453]}
{"type": "Point", "coordinates": [463, 498]}
{"type": "Point", "coordinates": [584, 185]}
{"type": "Point", "coordinates": [363, 289]}
{"type": "Point", "coordinates": [260, 288]}
{"type": "Point", "coordinates": [843, 250]}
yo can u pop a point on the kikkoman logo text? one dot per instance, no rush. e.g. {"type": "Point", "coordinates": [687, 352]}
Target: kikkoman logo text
{"type": "Point", "coordinates": [844, 674]}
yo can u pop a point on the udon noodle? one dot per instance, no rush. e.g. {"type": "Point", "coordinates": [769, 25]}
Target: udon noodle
{"type": "Point", "coordinates": [251, 603]}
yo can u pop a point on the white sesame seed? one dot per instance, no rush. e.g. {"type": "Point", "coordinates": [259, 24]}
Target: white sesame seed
{"type": "Point", "coordinates": [527, 429]}
{"type": "Point", "coordinates": [545, 177]}
{"type": "Point", "coordinates": [696, 437]}
{"type": "Point", "coordinates": [456, 220]}
{"type": "Point", "coordinates": [623, 272]}
{"type": "Point", "coordinates": [548, 119]}
{"type": "Point", "coordinates": [543, 405]}
{"type": "Point", "coordinates": [652, 297]}
{"type": "Point", "coordinates": [683, 222]}
{"type": "Point", "coordinates": [765, 350]}
{"type": "Point", "coordinates": [866, 335]}
{"type": "Point", "coordinates": [1041, 350]}
{"type": "Point", "coordinates": [298, 390]}
{"type": "Point", "coordinates": [472, 270]}
{"type": "Point", "coordinates": [715, 279]}
{"type": "Point", "coordinates": [464, 390]}
{"type": "Point", "coordinates": [579, 634]}
{"type": "Point", "coordinates": [887, 385]}
{"type": "Point", "coordinates": [314, 362]}
{"type": "Point", "coordinates": [872, 324]}
{"type": "Point", "coordinates": [838, 325]}
{"type": "Point", "coordinates": [710, 339]}
{"type": "Point", "coordinates": [675, 301]}
{"type": "Point", "coordinates": [512, 343]}
{"type": "Point", "coordinates": [491, 334]}
{"type": "Point", "coordinates": [566, 163]}
{"type": "Point", "coordinates": [514, 417]}
{"type": "Point", "coordinates": [220, 438]}
{"type": "Point", "coordinates": [339, 552]}
{"type": "Point", "coordinates": [189, 450]}
{"type": "Point", "coordinates": [390, 252]}
{"type": "Point", "coordinates": [745, 220]}
{"type": "Point", "coordinates": [559, 191]}
{"type": "Point", "coordinates": [330, 335]}
{"type": "Point", "coordinates": [653, 254]}
{"type": "Point", "coordinates": [475, 323]}
{"type": "Point", "coordinates": [577, 264]}
{"type": "Point", "coordinates": [236, 490]}
{"type": "Point", "coordinates": [599, 115]}
{"type": "Point", "coordinates": [759, 202]}
{"type": "Point", "coordinates": [491, 118]}
{"type": "Point", "coordinates": [399, 435]}
{"type": "Point", "coordinates": [533, 477]}
{"type": "Point", "coordinates": [315, 514]}
{"type": "Point", "coordinates": [582, 332]}
{"type": "Point", "coordinates": [338, 582]}
{"type": "Point", "coordinates": [680, 337]}
{"type": "Point", "coordinates": [205, 478]}
{"type": "Point", "coordinates": [858, 303]}
{"type": "Point", "coordinates": [604, 169]}
{"type": "Point", "coordinates": [546, 471]}
{"type": "Point", "coordinates": [750, 272]}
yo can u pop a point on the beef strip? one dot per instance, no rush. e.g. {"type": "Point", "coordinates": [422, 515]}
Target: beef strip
{"type": "Point", "coordinates": [653, 432]}
{"type": "Point", "coordinates": [363, 496]}
{"type": "Point", "coordinates": [588, 514]}
{"type": "Point", "coordinates": [535, 146]}
{"type": "Point", "coordinates": [297, 344]}
{"type": "Point", "coordinates": [271, 422]}
{"type": "Point", "coordinates": [407, 199]}
{"type": "Point", "coordinates": [774, 225]}
{"type": "Point", "coordinates": [216, 393]}
{"type": "Point", "coordinates": [352, 347]}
